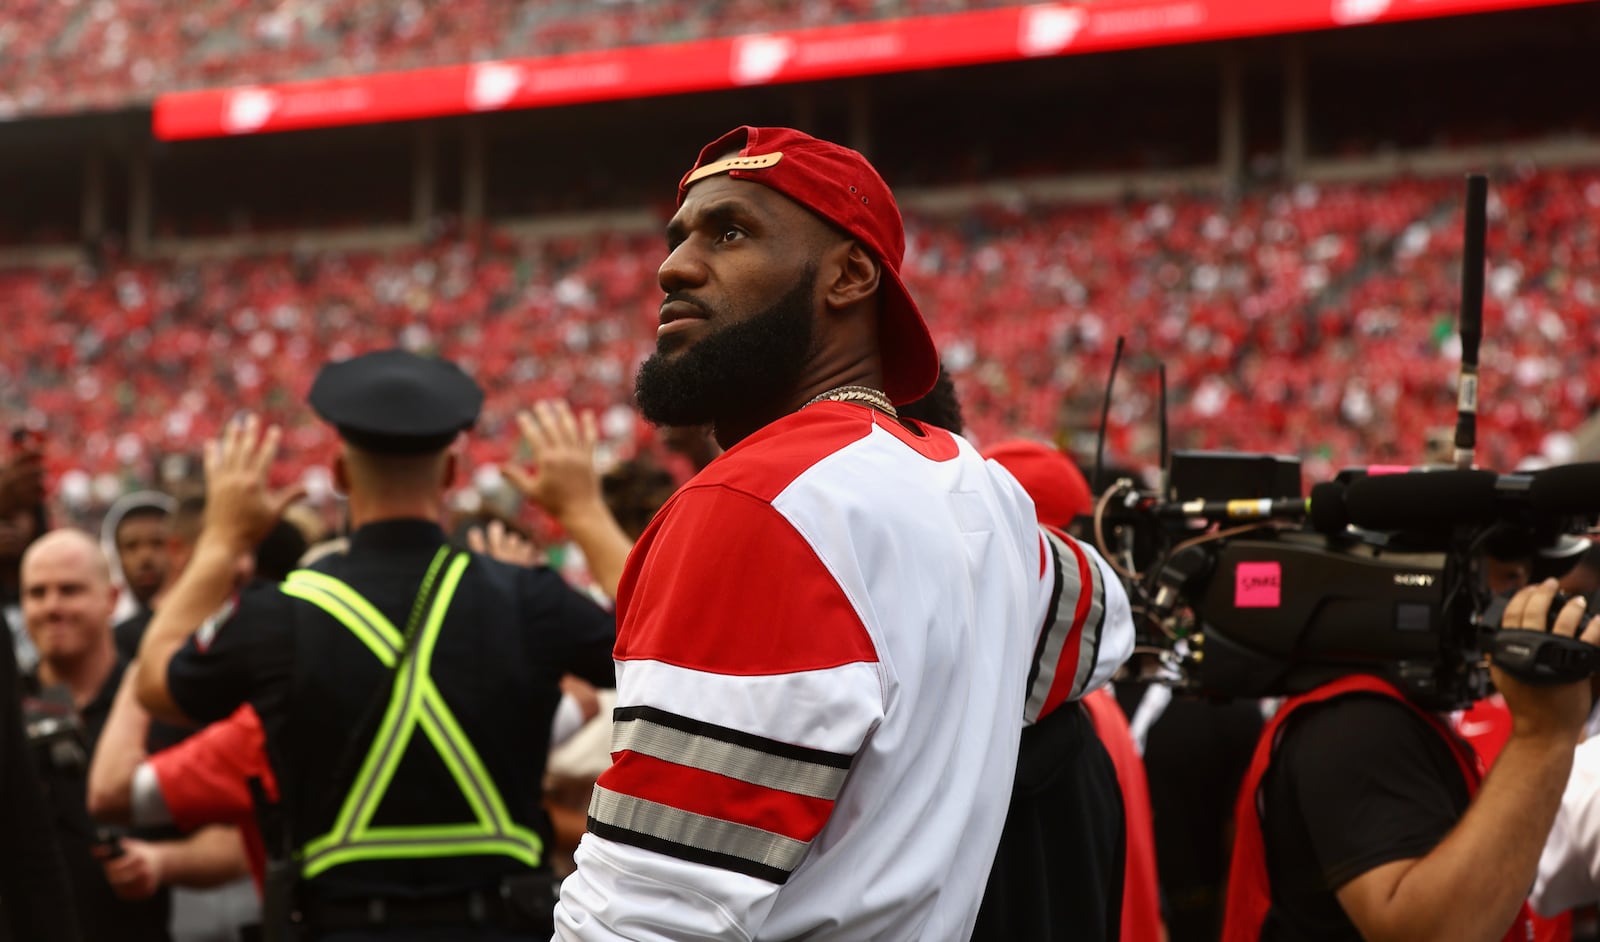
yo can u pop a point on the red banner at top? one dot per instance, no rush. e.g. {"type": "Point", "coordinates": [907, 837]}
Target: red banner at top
{"type": "Point", "coordinates": [1001, 35]}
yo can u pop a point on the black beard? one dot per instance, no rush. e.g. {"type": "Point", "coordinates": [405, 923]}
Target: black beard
{"type": "Point", "coordinates": [746, 368]}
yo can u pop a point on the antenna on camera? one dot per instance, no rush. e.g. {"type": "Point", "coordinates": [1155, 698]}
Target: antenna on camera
{"type": "Point", "coordinates": [1161, 372]}
{"type": "Point", "coordinates": [1472, 264]}
{"type": "Point", "coordinates": [1105, 413]}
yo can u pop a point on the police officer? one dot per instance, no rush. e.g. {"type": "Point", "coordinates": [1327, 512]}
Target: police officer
{"type": "Point", "coordinates": [406, 687]}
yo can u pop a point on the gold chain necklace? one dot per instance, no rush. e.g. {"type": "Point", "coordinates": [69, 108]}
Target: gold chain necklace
{"type": "Point", "coordinates": [864, 394]}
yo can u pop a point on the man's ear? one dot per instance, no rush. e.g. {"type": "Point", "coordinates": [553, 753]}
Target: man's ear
{"type": "Point", "coordinates": [341, 475]}
{"type": "Point", "coordinates": [451, 468]}
{"type": "Point", "coordinates": [855, 276]}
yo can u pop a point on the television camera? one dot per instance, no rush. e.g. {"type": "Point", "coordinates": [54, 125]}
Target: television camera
{"type": "Point", "coordinates": [1243, 587]}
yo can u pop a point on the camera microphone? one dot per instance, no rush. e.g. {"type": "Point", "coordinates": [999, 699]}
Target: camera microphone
{"type": "Point", "coordinates": [1433, 500]}
{"type": "Point", "coordinates": [1327, 512]}
{"type": "Point", "coordinates": [1424, 500]}
{"type": "Point", "coordinates": [1567, 489]}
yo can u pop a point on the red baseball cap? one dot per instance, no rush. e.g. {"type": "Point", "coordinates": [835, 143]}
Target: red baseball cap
{"type": "Point", "coordinates": [839, 185]}
{"type": "Point", "coordinates": [1053, 480]}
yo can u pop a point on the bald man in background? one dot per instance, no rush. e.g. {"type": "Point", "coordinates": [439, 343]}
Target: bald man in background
{"type": "Point", "coordinates": [119, 883]}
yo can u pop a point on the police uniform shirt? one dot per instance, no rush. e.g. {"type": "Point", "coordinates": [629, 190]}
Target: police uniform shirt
{"type": "Point", "coordinates": [509, 635]}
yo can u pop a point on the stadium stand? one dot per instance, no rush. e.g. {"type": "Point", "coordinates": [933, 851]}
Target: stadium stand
{"type": "Point", "coordinates": [125, 51]}
{"type": "Point", "coordinates": [1326, 308]}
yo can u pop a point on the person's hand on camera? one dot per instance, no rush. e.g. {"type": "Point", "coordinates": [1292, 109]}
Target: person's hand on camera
{"type": "Point", "coordinates": [135, 873]}
{"type": "Point", "coordinates": [1555, 711]}
{"type": "Point", "coordinates": [564, 479]}
{"type": "Point", "coordinates": [240, 508]}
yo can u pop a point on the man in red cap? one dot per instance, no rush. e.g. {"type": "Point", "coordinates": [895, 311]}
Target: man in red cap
{"type": "Point", "coordinates": [1061, 495]}
{"type": "Point", "coordinates": [825, 635]}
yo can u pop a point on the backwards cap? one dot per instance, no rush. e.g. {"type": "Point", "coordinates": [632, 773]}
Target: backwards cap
{"type": "Point", "coordinates": [839, 185]}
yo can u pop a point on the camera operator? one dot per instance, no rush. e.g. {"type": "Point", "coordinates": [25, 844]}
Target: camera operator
{"type": "Point", "coordinates": [117, 882]}
{"type": "Point", "coordinates": [1363, 816]}
{"type": "Point", "coordinates": [35, 903]}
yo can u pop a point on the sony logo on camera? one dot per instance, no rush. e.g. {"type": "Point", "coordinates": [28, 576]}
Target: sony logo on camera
{"type": "Point", "coordinates": [1420, 580]}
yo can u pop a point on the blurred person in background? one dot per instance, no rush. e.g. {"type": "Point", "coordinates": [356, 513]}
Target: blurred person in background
{"type": "Point", "coordinates": [1077, 856]}
{"type": "Point", "coordinates": [23, 519]}
{"type": "Point", "coordinates": [36, 901]}
{"type": "Point", "coordinates": [118, 881]}
{"type": "Point", "coordinates": [182, 529]}
{"type": "Point", "coordinates": [696, 444]}
{"type": "Point", "coordinates": [1042, 826]}
{"type": "Point", "coordinates": [198, 914]}
{"type": "Point", "coordinates": [134, 536]}
{"type": "Point", "coordinates": [634, 490]}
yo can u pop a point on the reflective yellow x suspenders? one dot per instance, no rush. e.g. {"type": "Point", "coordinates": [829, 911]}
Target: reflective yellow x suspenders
{"type": "Point", "coordinates": [414, 701]}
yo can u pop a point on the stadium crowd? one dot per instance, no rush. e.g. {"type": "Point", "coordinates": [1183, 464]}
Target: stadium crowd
{"type": "Point", "coordinates": [60, 57]}
{"type": "Point", "coordinates": [687, 662]}
{"type": "Point", "coordinates": [1317, 307]}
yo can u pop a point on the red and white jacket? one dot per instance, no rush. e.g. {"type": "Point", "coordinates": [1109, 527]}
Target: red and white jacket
{"type": "Point", "coordinates": [829, 642]}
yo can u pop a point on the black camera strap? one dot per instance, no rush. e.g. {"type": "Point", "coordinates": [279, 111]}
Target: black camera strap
{"type": "Point", "coordinates": [1542, 659]}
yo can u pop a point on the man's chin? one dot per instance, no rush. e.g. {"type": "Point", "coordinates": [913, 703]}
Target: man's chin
{"type": "Point", "coordinates": [675, 344]}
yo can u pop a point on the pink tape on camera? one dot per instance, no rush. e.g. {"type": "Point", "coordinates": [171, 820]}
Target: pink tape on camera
{"type": "Point", "coordinates": [1258, 585]}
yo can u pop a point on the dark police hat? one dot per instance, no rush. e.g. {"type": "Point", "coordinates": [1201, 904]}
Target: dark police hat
{"type": "Point", "coordinates": [396, 403]}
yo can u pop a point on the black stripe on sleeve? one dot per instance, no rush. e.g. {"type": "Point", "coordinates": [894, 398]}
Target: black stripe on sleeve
{"type": "Point", "coordinates": [736, 737]}
{"type": "Point", "coordinates": [1050, 613]}
{"type": "Point", "coordinates": [709, 858]}
{"type": "Point", "coordinates": [1099, 581]}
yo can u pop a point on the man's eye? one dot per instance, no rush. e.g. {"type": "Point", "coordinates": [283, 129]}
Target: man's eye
{"type": "Point", "coordinates": [731, 235]}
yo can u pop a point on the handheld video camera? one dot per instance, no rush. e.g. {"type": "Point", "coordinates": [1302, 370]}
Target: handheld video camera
{"type": "Point", "coordinates": [55, 731]}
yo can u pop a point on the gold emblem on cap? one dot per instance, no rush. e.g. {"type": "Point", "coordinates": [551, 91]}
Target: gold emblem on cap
{"type": "Point", "coordinates": [756, 162]}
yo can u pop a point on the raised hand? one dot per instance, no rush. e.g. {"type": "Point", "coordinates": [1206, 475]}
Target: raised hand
{"type": "Point", "coordinates": [22, 479]}
{"type": "Point", "coordinates": [240, 507]}
{"type": "Point", "coordinates": [503, 543]}
{"type": "Point", "coordinates": [564, 478]}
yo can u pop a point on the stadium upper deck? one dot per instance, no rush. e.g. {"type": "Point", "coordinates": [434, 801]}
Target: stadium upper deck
{"type": "Point", "coordinates": [58, 58]}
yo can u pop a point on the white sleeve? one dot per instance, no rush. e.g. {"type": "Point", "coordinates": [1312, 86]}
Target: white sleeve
{"type": "Point", "coordinates": [567, 721]}
{"type": "Point", "coordinates": [622, 894]}
{"type": "Point", "coordinates": [148, 804]}
{"type": "Point", "coordinates": [1085, 625]}
{"type": "Point", "coordinates": [1569, 868]}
